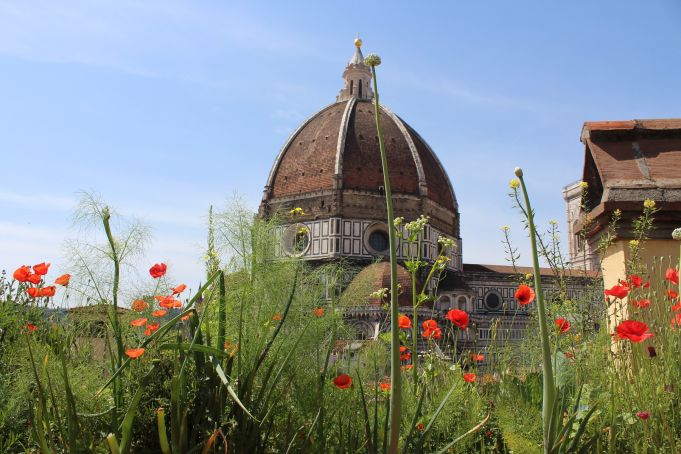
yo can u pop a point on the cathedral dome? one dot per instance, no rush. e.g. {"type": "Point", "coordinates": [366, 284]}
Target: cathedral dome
{"type": "Point", "coordinates": [330, 167]}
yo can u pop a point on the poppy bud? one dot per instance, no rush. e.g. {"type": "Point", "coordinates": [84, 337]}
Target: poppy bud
{"type": "Point", "coordinates": [651, 351]}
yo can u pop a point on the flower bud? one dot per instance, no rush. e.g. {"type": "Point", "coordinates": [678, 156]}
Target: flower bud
{"type": "Point", "coordinates": [518, 172]}
{"type": "Point", "coordinates": [676, 234]}
{"type": "Point", "coordinates": [372, 60]}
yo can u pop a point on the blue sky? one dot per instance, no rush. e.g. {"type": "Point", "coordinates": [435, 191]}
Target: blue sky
{"type": "Point", "coordinates": [167, 107]}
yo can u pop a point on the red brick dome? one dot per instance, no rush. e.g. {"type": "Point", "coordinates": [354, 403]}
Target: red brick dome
{"type": "Point", "coordinates": [331, 166]}
{"type": "Point", "coordinates": [373, 278]}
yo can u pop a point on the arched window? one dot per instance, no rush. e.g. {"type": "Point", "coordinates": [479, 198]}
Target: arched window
{"type": "Point", "coordinates": [461, 302]}
{"type": "Point", "coordinates": [352, 84]}
{"type": "Point", "coordinates": [444, 303]}
{"type": "Point", "coordinates": [360, 88]}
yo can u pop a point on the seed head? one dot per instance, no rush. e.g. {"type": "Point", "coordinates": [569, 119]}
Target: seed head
{"type": "Point", "coordinates": [372, 60]}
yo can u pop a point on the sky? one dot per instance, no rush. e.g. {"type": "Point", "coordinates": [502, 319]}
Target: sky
{"type": "Point", "coordinates": [164, 108]}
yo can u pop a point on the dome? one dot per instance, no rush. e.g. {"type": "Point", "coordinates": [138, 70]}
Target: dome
{"type": "Point", "coordinates": [331, 166]}
{"type": "Point", "coordinates": [375, 277]}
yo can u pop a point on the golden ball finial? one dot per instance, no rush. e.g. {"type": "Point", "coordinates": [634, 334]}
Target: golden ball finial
{"type": "Point", "coordinates": [358, 42]}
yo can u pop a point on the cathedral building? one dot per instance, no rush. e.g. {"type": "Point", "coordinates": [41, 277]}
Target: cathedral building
{"type": "Point", "coordinates": [330, 166]}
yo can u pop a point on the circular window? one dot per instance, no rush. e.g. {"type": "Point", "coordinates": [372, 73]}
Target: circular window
{"type": "Point", "coordinates": [296, 239]}
{"type": "Point", "coordinates": [493, 301]}
{"type": "Point", "coordinates": [376, 239]}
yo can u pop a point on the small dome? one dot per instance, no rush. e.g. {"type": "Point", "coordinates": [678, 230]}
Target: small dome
{"type": "Point", "coordinates": [333, 159]}
{"type": "Point", "coordinates": [375, 277]}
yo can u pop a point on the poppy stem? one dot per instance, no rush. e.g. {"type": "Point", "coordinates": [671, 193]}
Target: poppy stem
{"type": "Point", "coordinates": [395, 377]}
{"type": "Point", "coordinates": [549, 390]}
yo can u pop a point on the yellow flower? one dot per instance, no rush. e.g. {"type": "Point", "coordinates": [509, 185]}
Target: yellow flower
{"type": "Point", "coordinates": [297, 211]}
{"type": "Point", "coordinates": [505, 228]}
{"type": "Point", "coordinates": [584, 185]}
{"type": "Point", "coordinates": [633, 243]}
{"type": "Point", "coordinates": [649, 203]}
{"type": "Point", "coordinates": [514, 184]}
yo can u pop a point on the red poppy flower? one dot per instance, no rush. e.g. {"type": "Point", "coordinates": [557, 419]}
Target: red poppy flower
{"type": "Point", "coordinates": [134, 352]}
{"type": "Point", "coordinates": [63, 280]}
{"type": "Point", "coordinates": [432, 334]}
{"type": "Point", "coordinates": [563, 325]}
{"type": "Point", "coordinates": [179, 289]}
{"type": "Point", "coordinates": [139, 305]}
{"type": "Point", "coordinates": [643, 415]}
{"type": "Point", "coordinates": [48, 291]}
{"type": "Point", "coordinates": [33, 292]}
{"type": "Point", "coordinates": [405, 354]}
{"type": "Point", "coordinates": [677, 307]}
{"type": "Point", "coordinates": [30, 327]}
{"type": "Point", "coordinates": [319, 312]}
{"type": "Point", "coordinates": [478, 357]}
{"type": "Point", "coordinates": [525, 295]}
{"type": "Point", "coordinates": [342, 381]}
{"type": "Point", "coordinates": [41, 268]}
{"type": "Point", "coordinates": [429, 324]}
{"type": "Point", "coordinates": [641, 304]}
{"type": "Point", "coordinates": [151, 327]}
{"type": "Point", "coordinates": [276, 317]}
{"type": "Point", "coordinates": [420, 427]}
{"type": "Point", "coordinates": [458, 318]}
{"type": "Point", "coordinates": [34, 279]}
{"type": "Point", "coordinates": [618, 291]}
{"type": "Point", "coordinates": [408, 367]}
{"type": "Point", "coordinates": [676, 320]}
{"type": "Point", "coordinates": [633, 330]}
{"type": "Point", "coordinates": [671, 294]}
{"type": "Point", "coordinates": [186, 317]}
{"type": "Point", "coordinates": [469, 377]}
{"type": "Point", "coordinates": [170, 303]}
{"type": "Point", "coordinates": [569, 355]}
{"type": "Point", "coordinates": [158, 270]}
{"type": "Point", "coordinates": [672, 275]}
{"type": "Point", "coordinates": [404, 322]}
{"type": "Point", "coordinates": [636, 281]}
{"type": "Point", "coordinates": [384, 386]}
{"type": "Point", "coordinates": [159, 313]}
{"type": "Point", "coordinates": [22, 273]}
{"type": "Point", "coordinates": [138, 322]}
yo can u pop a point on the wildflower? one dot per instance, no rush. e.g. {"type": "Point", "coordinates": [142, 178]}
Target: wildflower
{"type": "Point", "coordinates": [159, 313]}
{"type": "Point", "coordinates": [151, 328]}
{"type": "Point", "coordinates": [458, 318]}
{"type": "Point", "coordinates": [643, 415]}
{"type": "Point", "coordinates": [478, 358]}
{"type": "Point", "coordinates": [420, 427]}
{"type": "Point", "coordinates": [672, 275]}
{"type": "Point", "coordinates": [33, 292]}
{"type": "Point", "coordinates": [134, 353]}
{"type": "Point", "coordinates": [158, 270]}
{"type": "Point", "coordinates": [139, 305]}
{"type": "Point", "coordinates": [633, 244]}
{"type": "Point", "coordinates": [41, 268]}
{"type": "Point", "coordinates": [397, 222]}
{"type": "Point", "coordinates": [641, 304]}
{"type": "Point", "coordinates": [569, 355]}
{"type": "Point", "coordinates": [276, 317]}
{"type": "Point", "coordinates": [676, 320]}
{"type": "Point", "coordinates": [297, 211]}
{"type": "Point", "coordinates": [505, 228]}
{"type": "Point", "coordinates": [34, 279]}
{"type": "Point", "coordinates": [405, 354]}
{"type": "Point", "coordinates": [342, 381]}
{"type": "Point", "coordinates": [649, 204]}
{"type": "Point", "coordinates": [48, 291]}
{"type": "Point", "coordinates": [379, 294]}
{"type": "Point", "coordinates": [404, 322]}
{"type": "Point", "coordinates": [409, 367]}
{"type": "Point", "coordinates": [169, 302]}
{"type": "Point", "coordinates": [138, 322]}
{"type": "Point", "coordinates": [676, 234]}
{"type": "Point", "coordinates": [618, 291]}
{"type": "Point", "coordinates": [671, 294]}
{"type": "Point", "coordinates": [525, 295]}
{"type": "Point", "coordinates": [563, 325]}
{"type": "Point", "coordinates": [30, 327]}
{"type": "Point", "coordinates": [435, 333]}
{"type": "Point", "coordinates": [22, 273]}
{"type": "Point", "coordinates": [636, 280]}
{"type": "Point", "coordinates": [179, 289]}
{"type": "Point", "coordinates": [63, 280]}
{"type": "Point", "coordinates": [633, 330]}
{"type": "Point", "coordinates": [445, 242]}
{"type": "Point", "coordinates": [651, 351]}
{"type": "Point", "coordinates": [469, 377]}
{"type": "Point", "coordinates": [677, 307]}
{"type": "Point", "coordinates": [372, 60]}
{"type": "Point", "coordinates": [319, 312]}
{"type": "Point", "coordinates": [584, 185]}
{"type": "Point", "coordinates": [514, 184]}
{"type": "Point", "coordinates": [384, 386]}
{"type": "Point", "coordinates": [186, 317]}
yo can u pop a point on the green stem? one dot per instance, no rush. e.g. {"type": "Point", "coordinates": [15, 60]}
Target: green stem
{"type": "Point", "coordinates": [395, 377]}
{"type": "Point", "coordinates": [549, 390]}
